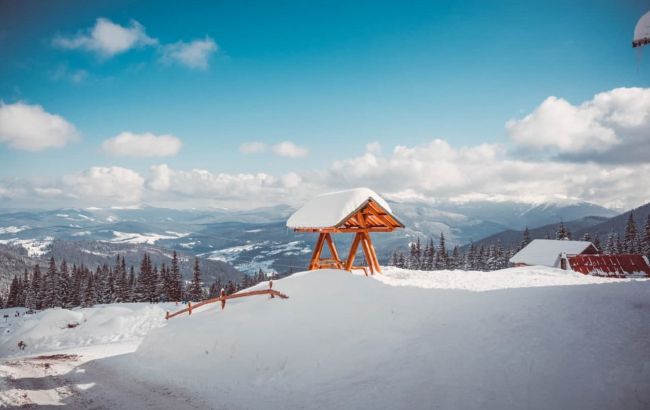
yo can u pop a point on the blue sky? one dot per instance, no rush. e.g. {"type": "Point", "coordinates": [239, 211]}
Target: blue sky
{"type": "Point", "coordinates": [330, 77]}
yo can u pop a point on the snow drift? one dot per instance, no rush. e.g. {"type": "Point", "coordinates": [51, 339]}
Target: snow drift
{"type": "Point", "coordinates": [346, 341]}
{"type": "Point", "coordinates": [55, 329]}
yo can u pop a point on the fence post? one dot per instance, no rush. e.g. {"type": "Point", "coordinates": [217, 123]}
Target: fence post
{"type": "Point", "coordinates": [167, 315]}
{"type": "Point", "coordinates": [189, 307]}
{"type": "Point", "coordinates": [271, 287]}
{"type": "Point", "coordinates": [222, 295]}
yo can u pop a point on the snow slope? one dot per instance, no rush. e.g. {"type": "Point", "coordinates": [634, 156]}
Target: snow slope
{"type": "Point", "coordinates": [55, 329]}
{"type": "Point", "coordinates": [532, 338]}
{"type": "Point", "coordinates": [349, 341]}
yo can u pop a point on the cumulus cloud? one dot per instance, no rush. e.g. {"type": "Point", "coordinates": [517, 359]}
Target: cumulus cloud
{"type": "Point", "coordinates": [436, 170]}
{"type": "Point", "coordinates": [284, 149]}
{"type": "Point", "coordinates": [129, 144]}
{"type": "Point", "coordinates": [203, 187]}
{"type": "Point", "coordinates": [107, 38]}
{"type": "Point", "coordinates": [290, 150]}
{"type": "Point", "coordinates": [253, 147]}
{"type": "Point", "coordinates": [31, 128]}
{"type": "Point", "coordinates": [105, 184]}
{"type": "Point", "coordinates": [195, 54]}
{"type": "Point", "coordinates": [611, 127]}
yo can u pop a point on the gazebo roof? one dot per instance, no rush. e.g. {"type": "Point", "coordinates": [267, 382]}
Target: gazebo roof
{"type": "Point", "coordinates": [339, 211]}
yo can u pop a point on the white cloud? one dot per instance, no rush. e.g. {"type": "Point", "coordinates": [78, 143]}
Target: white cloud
{"type": "Point", "coordinates": [283, 149]}
{"type": "Point", "coordinates": [195, 54]}
{"type": "Point", "coordinates": [289, 149]}
{"type": "Point", "coordinates": [31, 128]}
{"type": "Point", "coordinates": [253, 147]}
{"type": "Point", "coordinates": [611, 127]}
{"type": "Point", "coordinates": [107, 38]}
{"type": "Point", "coordinates": [432, 171]}
{"type": "Point", "coordinates": [142, 145]}
{"type": "Point", "coordinates": [105, 185]}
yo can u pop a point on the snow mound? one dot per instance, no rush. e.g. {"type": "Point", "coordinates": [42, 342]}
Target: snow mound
{"type": "Point", "coordinates": [478, 281]}
{"type": "Point", "coordinates": [55, 329]}
{"type": "Point", "coordinates": [348, 341]}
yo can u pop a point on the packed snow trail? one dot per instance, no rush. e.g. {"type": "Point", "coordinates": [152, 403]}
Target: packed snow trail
{"type": "Point", "coordinates": [512, 339]}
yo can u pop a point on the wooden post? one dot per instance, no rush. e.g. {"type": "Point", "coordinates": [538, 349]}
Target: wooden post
{"type": "Point", "coordinates": [271, 288]}
{"type": "Point", "coordinates": [167, 316]}
{"type": "Point", "coordinates": [333, 251]}
{"type": "Point", "coordinates": [222, 295]}
{"type": "Point", "coordinates": [373, 253]}
{"type": "Point", "coordinates": [189, 307]}
{"type": "Point", "coordinates": [353, 251]}
{"type": "Point", "coordinates": [317, 251]}
{"type": "Point", "coordinates": [366, 252]}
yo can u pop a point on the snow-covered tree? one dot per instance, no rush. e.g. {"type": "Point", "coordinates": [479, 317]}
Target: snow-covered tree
{"type": "Point", "coordinates": [525, 239]}
{"type": "Point", "coordinates": [176, 279]}
{"type": "Point", "coordinates": [441, 254]}
{"type": "Point", "coordinates": [562, 232]}
{"type": "Point", "coordinates": [195, 291]}
{"type": "Point", "coordinates": [646, 237]}
{"type": "Point", "coordinates": [631, 236]}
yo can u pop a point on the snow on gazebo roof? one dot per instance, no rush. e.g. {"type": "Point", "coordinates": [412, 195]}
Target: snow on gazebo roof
{"type": "Point", "coordinates": [545, 252]}
{"type": "Point", "coordinates": [333, 209]}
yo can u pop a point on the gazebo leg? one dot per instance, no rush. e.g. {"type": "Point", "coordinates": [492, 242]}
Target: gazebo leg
{"type": "Point", "coordinates": [373, 253]}
{"type": "Point", "coordinates": [368, 254]}
{"type": "Point", "coordinates": [333, 251]}
{"type": "Point", "coordinates": [353, 251]}
{"type": "Point", "coordinates": [315, 257]}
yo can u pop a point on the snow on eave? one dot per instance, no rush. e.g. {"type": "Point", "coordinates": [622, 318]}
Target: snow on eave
{"type": "Point", "coordinates": [334, 208]}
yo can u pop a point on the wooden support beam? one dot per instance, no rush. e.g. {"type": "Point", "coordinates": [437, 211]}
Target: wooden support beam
{"type": "Point", "coordinates": [313, 264]}
{"type": "Point", "coordinates": [366, 251]}
{"type": "Point", "coordinates": [333, 251]}
{"type": "Point", "coordinates": [353, 251]}
{"type": "Point", "coordinates": [373, 253]}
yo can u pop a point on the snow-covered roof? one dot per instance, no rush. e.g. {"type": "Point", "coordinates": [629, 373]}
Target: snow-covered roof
{"type": "Point", "coordinates": [331, 209]}
{"type": "Point", "coordinates": [546, 252]}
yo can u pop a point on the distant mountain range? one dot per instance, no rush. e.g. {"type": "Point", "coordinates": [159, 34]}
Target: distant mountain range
{"type": "Point", "coordinates": [596, 227]}
{"type": "Point", "coordinates": [246, 241]}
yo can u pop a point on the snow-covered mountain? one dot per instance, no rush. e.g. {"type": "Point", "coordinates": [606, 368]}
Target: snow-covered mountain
{"type": "Point", "coordinates": [258, 239]}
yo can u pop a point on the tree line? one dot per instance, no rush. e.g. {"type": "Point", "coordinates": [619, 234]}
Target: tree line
{"type": "Point", "coordinates": [494, 256]}
{"type": "Point", "coordinates": [67, 286]}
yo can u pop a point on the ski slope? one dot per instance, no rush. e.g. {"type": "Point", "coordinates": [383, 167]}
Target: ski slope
{"type": "Point", "coordinates": [534, 338]}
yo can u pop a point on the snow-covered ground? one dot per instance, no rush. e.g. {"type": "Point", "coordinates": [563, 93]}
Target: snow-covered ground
{"type": "Point", "coordinates": [149, 238]}
{"type": "Point", "coordinates": [514, 339]}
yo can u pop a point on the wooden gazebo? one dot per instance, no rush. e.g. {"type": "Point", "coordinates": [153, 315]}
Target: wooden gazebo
{"type": "Point", "coordinates": [359, 211]}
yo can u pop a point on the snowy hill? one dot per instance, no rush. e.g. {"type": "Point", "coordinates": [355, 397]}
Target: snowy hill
{"type": "Point", "coordinates": [534, 338]}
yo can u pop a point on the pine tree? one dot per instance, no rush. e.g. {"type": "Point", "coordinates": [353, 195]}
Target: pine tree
{"type": "Point", "coordinates": [51, 283]}
{"type": "Point", "coordinates": [441, 255]}
{"type": "Point", "coordinates": [132, 285]}
{"type": "Point", "coordinates": [597, 244]}
{"type": "Point", "coordinates": [12, 298]}
{"type": "Point", "coordinates": [455, 259]}
{"type": "Point", "coordinates": [176, 280]}
{"type": "Point", "coordinates": [646, 238]}
{"type": "Point", "coordinates": [562, 232]}
{"type": "Point", "coordinates": [618, 244]}
{"type": "Point", "coordinates": [610, 247]}
{"type": "Point", "coordinates": [631, 237]}
{"type": "Point", "coordinates": [62, 289]}
{"type": "Point", "coordinates": [89, 297]}
{"type": "Point", "coordinates": [196, 291]}
{"type": "Point", "coordinates": [525, 240]}
{"type": "Point", "coordinates": [587, 237]}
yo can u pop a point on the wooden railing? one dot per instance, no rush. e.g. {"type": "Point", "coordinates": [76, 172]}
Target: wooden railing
{"type": "Point", "coordinates": [223, 297]}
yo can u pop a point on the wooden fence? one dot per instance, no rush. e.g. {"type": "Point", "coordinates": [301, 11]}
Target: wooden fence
{"type": "Point", "coordinates": [223, 298]}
